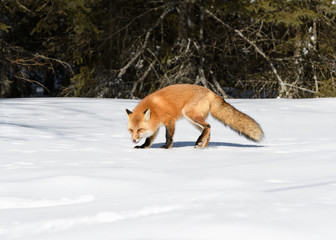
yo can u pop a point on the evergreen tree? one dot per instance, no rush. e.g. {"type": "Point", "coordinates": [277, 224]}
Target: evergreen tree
{"type": "Point", "coordinates": [123, 48]}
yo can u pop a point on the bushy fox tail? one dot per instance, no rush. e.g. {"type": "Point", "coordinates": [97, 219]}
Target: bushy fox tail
{"type": "Point", "coordinates": [236, 120]}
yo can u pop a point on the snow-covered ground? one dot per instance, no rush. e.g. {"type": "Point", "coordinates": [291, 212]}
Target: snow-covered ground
{"type": "Point", "coordinates": [68, 171]}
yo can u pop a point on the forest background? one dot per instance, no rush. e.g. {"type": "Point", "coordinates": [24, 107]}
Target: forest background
{"type": "Point", "coordinates": [129, 48]}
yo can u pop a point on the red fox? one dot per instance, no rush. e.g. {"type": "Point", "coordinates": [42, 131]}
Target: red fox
{"type": "Point", "coordinates": [194, 102]}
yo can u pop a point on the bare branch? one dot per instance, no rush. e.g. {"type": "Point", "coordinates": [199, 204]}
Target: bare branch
{"type": "Point", "coordinates": [141, 79]}
{"type": "Point", "coordinates": [283, 89]}
{"type": "Point", "coordinates": [24, 78]}
{"type": "Point", "coordinates": [144, 45]}
{"type": "Point", "coordinates": [219, 88]}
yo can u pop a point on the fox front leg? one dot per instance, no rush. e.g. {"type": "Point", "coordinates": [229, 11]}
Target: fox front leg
{"type": "Point", "coordinates": [170, 129]}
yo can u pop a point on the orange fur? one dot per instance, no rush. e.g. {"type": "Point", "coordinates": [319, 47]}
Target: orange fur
{"type": "Point", "coordinates": [194, 102]}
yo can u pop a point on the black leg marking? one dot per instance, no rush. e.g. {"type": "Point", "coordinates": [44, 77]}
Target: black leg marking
{"type": "Point", "coordinates": [170, 129]}
{"type": "Point", "coordinates": [204, 138]}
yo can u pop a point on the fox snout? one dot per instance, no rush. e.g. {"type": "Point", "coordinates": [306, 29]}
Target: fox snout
{"type": "Point", "coordinates": [136, 137]}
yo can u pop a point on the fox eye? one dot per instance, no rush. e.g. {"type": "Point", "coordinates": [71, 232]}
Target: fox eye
{"type": "Point", "coordinates": [140, 129]}
{"type": "Point", "coordinates": [131, 130]}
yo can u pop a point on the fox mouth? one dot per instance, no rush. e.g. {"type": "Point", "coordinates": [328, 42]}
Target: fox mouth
{"type": "Point", "coordinates": [141, 136]}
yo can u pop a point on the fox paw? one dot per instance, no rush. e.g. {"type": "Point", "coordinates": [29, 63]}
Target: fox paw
{"type": "Point", "coordinates": [166, 146]}
{"type": "Point", "coordinates": [141, 146]}
{"type": "Point", "coordinates": [202, 143]}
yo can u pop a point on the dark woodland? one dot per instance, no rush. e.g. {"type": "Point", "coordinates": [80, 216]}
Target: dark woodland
{"type": "Point", "coordinates": [130, 48]}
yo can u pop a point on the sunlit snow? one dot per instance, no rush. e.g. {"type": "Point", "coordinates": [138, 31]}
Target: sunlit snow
{"type": "Point", "coordinates": [68, 171]}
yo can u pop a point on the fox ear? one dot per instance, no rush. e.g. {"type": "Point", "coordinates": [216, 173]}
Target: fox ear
{"type": "Point", "coordinates": [128, 112]}
{"type": "Point", "coordinates": [147, 114]}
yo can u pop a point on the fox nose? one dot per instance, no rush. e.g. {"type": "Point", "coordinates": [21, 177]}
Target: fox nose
{"type": "Point", "coordinates": [134, 141]}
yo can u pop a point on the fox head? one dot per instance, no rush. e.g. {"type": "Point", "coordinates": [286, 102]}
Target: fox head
{"type": "Point", "coordinates": [138, 125]}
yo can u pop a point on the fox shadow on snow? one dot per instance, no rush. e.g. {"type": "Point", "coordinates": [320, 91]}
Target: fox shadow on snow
{"type": "Point", "coordinates": [211, 145]}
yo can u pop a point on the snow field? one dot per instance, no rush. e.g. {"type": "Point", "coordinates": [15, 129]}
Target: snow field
{"type": "Point", "coordinates": [68, 170]}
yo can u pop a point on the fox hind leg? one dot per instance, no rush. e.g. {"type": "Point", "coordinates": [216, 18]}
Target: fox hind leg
{"type": "Point", "coordinates": [200, 123]}
{"type": "Point", "coordinates": [204, 138]}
